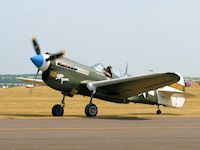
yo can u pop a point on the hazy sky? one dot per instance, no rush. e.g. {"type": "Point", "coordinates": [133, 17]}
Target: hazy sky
{"type": "Point", "coordinates": [148, 34]}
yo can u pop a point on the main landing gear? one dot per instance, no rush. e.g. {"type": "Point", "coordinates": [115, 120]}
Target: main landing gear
{"type": "Point", "coordinates": [158, 112]}
{"type": "Point", "coordinates": [91, 109]}
{"type": "Point", "coordinates": [58, 109]}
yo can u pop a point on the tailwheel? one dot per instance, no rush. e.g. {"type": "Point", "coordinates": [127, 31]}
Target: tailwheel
{"type": "Point", "coordinates": [57, 110]}
{"type": "Point", "coordinates": [91, 110]}
{"type": "Point", "coordinates": [158, 111]}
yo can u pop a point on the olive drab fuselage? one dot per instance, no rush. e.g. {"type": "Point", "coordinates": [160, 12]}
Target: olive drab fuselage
{"type": "Point", "coordinates": [70, 78]}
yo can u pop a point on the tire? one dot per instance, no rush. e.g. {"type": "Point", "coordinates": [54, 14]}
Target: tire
{"type": "Point", "coordinates": [57, 110]}
{"type": "Point", "coordinates": [158, 112]}
{"type": "Point", "coordinates": [91, 110]}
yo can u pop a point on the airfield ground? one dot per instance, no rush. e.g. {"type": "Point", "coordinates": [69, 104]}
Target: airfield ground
{"type": "Point", "coordinates": [20, 103]}
{"type": "Point", "coordinates": [100, 134]}
{"type": "Point", "coordinates": [26, 123]}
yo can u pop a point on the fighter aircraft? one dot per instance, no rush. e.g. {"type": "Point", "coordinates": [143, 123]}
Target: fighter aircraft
{"type": "Point", "coordinates": [105, 83]}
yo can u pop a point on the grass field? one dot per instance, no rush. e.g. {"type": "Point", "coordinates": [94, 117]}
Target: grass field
{"type": "Point", "coordinates": [19, 103]}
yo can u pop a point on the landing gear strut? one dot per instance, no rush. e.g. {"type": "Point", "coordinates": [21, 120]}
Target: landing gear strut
{"type": "Point", "coordinates": [91, 109]}
{"type": "Point", "coordinates": [158, 111]}
{"type": "Point", "coordinates": [58, 109]}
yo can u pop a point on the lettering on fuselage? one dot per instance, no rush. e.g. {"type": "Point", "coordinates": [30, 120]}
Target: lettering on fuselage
{"type": "Point", "coordinates": [62, 78]}
{"type": "Point", "coordinates": [58, 76]}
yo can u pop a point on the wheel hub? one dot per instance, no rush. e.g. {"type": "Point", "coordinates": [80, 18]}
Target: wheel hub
{"type": "Point", "coordinates": [93, 110]}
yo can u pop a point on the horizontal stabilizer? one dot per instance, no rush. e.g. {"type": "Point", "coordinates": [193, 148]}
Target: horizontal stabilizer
{"type": "Point", "coordinates": [177, 94]}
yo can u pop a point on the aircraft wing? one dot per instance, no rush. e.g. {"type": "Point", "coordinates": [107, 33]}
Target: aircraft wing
{"type": "Point", "coordinates": [32, 81]}
{"type": "Point", "coordinates": [132, 86]}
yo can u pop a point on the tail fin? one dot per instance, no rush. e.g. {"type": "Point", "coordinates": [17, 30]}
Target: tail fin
{"type": "Point", "coordinates": [126, 71]}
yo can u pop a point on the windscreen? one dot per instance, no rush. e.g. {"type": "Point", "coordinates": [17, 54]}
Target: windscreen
{"type": "Point", "coordinates": [101, 68]}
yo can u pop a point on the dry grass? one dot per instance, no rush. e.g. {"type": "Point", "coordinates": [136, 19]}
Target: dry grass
{"type": "Point", "coordinates": [19, 103]}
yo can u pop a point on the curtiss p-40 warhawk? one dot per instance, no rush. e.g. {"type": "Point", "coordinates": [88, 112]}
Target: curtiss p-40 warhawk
{"type": "Point", "coordinates": [105, 83]}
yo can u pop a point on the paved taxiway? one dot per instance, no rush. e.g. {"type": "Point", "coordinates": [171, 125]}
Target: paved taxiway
{"type": "Point", "coordinates": [100, 133]}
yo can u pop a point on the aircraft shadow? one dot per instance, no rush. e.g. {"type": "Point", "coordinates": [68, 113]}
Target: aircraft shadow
{"type": "Point", "coordinates": [132, 116]}
{"type": "Point", "coordinates": [120, 118]}
{"type": "Point", "coordinates": [136, 116]}
{"type": "Point", "coordinates": [153, 114]}
{"type": "Point", "coordinates": [16, 116]}
{"type": "Point", "coordinates": [112, 117]}
{"type": "Point", "coordinates": [24, 115]}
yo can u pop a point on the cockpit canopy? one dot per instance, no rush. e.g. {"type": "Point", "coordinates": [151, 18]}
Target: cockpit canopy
{"type": "Point", "coordinates": [116, 73]}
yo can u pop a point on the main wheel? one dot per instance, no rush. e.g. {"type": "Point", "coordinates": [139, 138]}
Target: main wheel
{"type": "Point", "coordinates": [91, 110]}
{"type": "Point", "coordinates": [158, 111]}
{"type": "Point", "coordinates": [57, 110]}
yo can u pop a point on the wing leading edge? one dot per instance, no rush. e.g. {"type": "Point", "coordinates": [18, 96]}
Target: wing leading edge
{"type": "Point", "coordinates": [32, 81]}
{"type": "Point", "coordinates": [132, 86]}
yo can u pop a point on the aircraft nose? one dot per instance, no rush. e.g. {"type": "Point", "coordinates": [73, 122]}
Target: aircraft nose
{"type": "Point", "coordinates": [38, 60]}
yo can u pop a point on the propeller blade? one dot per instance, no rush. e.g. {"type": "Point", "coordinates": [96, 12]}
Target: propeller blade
{"type": "Point", "coordinates": [37, 73]}
{"type": "Point", "coordinates": [36, 46]}
{"type": "Point", "coordinates": [55, 56]}
{"type": "Point", "coordinates": [31, 90]}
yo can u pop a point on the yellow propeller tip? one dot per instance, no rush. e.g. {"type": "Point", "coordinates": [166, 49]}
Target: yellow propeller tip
{"type": "Point", "coordinates": [34, 38]}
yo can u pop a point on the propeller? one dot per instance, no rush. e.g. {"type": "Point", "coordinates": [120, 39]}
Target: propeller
{"type": "Point", "coordinates": [36, 46]}
{"type": "Point", "coordinates": [51, 56]}
{"type": "Point", "coordinates": [42, 61]}
{"type": "Point", "coordinates": [55, 56]}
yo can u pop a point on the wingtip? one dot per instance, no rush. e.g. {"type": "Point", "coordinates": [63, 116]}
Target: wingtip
{"type": "Point", "coordinates": [178, 76]}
